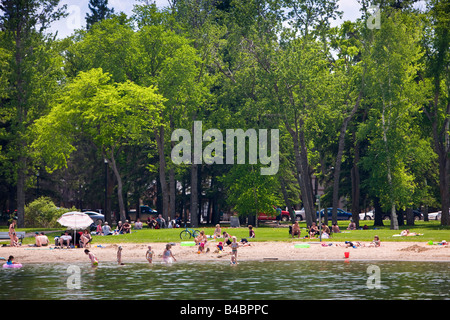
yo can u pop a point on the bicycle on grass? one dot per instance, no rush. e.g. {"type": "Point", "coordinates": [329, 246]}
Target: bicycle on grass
{"type": "Point", "coordinates": [188, 233]}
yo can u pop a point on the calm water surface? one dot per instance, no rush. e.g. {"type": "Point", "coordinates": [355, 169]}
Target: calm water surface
{"type": "Point", "coordinates": [262, 280]}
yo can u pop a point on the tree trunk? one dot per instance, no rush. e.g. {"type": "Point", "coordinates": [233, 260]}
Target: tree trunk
{"type": "Point", "coordinates": [21, 177]}
{"type": "Point", "coordinates": [409, 217]}
{"type": "Point", "coordinates": [110, 191]}
{"type": "Point", "coordinates": [337, 166]}
{"type": "Point", "coordinates": [159, 135]}
{"type": "Point", "coordinates": [112, 161]}
{"type": "Point", "coordinates": [286, 198]}
{"type": "Point", "coordinates": [303, 177]}
{"type": "Point", "coordinates": [309, 203]}
{"type": "Point", "coordinates": [444, 165]}
{"type": "Point", "coordinates": [355, 182]}
{"type": "Point", "coordinates": [172, 181]}
{"type": "Point", "coordinates": [172, 197]}
{"type": "Point", "coordinates": [378, 216]}
{"type": "Point", "coordinates": [194, 196]}
{"type": "Point", "coordinates": [183, 203]}
{"type": "Point", "coordinates": [21, 120]}
{"type": "Point", "coordinates": [394, 221]}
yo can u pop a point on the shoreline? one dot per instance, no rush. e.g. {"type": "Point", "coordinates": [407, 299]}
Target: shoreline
{"type": "Point", "coordinates": [257, 251]}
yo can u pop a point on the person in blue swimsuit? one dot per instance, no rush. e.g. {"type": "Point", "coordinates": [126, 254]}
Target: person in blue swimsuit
{"type": "Point", "coordinates": [11, 261]}
{"type": "Point", "coordinates": [167, 255]}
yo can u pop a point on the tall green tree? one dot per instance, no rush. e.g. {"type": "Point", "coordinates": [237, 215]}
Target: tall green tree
{"type": "Point", "coordinates": [99, 11]}
{"type": "Point", "coordinates": [437, 108]}
{"type": "Point", "coordinates": [347, 86]}
{"type": "Point", "coordinates": [392, 61]}
{"type": "Point", "coordinates": [34, 72]}
{"type": "Point", "coordinates": [111, 115]}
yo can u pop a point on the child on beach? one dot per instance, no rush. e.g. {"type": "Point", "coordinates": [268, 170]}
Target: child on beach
{"type": "Point", "coordinates": [234, 247]}
{"type": "Point", "coordinates": [217, 231]}
{"type": "Point", "coordinates": [226, 238]}
{"type": "Point", "coordinates": [233, 260]}
{"type": "Point", "coordinates": [119, 255]}
{"type": "Point", "coordinates": [93, 258]}
{"type": "Point", "coordinates": [149, 254]}
{"type": "Point", "coordinates": [220, 247]}
{"type": "Point", "coordinates": [251, 232]}
{"type": "Point", "coordinates": [167, 255]}
{"type": "Point", "coordinates": [376, 242]}
{"type": "Point", "coordinates": [201, 241]}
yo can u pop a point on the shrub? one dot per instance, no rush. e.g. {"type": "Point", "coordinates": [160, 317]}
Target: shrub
{"type": "Point", "coordinates": [43, 213]}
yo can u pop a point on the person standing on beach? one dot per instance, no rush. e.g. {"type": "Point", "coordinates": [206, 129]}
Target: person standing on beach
{"type": "Point", "coordinates": [119, 255]}
{"type": "Point", "coordinates": [167, 255]}
{"type": "Point", "coordinates": [149, 255]}
{"type": "Point", "coordinates": [12, 234]}
{"type": "Point", "coordinates": [234, 247]}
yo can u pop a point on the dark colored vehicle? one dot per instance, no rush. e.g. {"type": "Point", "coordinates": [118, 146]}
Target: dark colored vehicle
{"type": "Point", "coordinates": [341, 214]}
{"type": "Point", "coordinates": [98, 218]}
{"type": "Point", "coordinates": [145, 213]}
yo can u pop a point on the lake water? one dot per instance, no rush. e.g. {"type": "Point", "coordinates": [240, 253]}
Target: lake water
{"type": "Point", "coordinates": [252, 280]}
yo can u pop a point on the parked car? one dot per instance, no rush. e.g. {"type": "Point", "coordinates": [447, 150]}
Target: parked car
{"type": "Point", "coordinates": [145, 213]}
{"type": "Point", "coordinates": [417, 215]}
{"type": "Point", "coordinates": [300, 214]}
{"type": "Point", "coordinates": [266, 216]}
{"type": "Point", "coordinates": [96, 217]}
{"type": "Point", "coordinates": [341, 214]}
{"type": "Point", "coordinates": [93, 210]}
{"type": "Point", "coordinates": [435, 215]}
{"type": "Point", "coordinates": [147, 209]}
{"type": "Point", "coordinates": [369, 215]}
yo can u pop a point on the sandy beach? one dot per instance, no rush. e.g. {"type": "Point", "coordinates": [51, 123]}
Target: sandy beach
{"type": "Point", "coordinates": [388, 251]}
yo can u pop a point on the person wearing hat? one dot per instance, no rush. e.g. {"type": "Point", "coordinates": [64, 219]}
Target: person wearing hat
{"type": "Point", "coordinates": [106, 229]}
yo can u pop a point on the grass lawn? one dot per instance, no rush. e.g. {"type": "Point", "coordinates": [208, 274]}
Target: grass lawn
{"type": "Point", "coordinates": [431, 230]}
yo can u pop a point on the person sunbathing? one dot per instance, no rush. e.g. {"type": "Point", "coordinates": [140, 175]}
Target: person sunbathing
{"type": "Point", "coordinates": [407, 233]}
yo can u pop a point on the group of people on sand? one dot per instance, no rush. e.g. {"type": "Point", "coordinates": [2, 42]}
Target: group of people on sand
{"type": "Point", "coordinates": [326, 232]}
{"type": "Point", "coordinates": [228, 241]}
{"type": "Point", "coordinates": [201, 240]}
{"type": "Point", "coordinates": [314, 231]}
{"type": "Point", "coordinates": [66, 240]}
{"type": "Point", "coordinates": [167, 256]}
{"type": "Point", "coordinates": [121, 228]}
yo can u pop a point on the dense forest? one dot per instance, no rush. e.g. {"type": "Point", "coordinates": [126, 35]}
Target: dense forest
{"type": "Point", "coordinates": [363, 107]}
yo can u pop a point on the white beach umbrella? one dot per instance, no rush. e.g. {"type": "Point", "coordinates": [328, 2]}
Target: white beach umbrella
{"type": "Point", "coordinates": [75, 220]}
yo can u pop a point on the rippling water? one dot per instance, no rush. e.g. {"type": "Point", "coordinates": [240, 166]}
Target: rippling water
{"type": "Point", "coordinates": [260, 280]}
